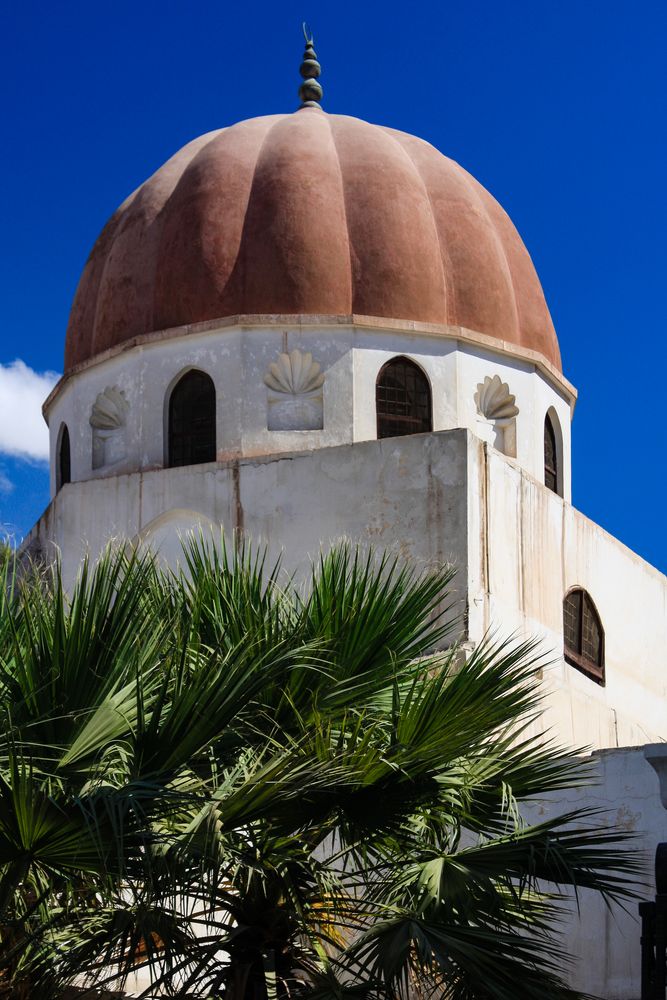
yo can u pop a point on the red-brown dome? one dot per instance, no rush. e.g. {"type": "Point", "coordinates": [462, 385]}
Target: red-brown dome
{"type": "Point", "coordinates": [308, 213]}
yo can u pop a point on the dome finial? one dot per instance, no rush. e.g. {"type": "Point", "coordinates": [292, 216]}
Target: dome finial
{"type": "Point", "coordinates": [310, 90]}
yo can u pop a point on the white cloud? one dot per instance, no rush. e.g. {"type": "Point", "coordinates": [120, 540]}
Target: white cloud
{"type": "Point", "coordinates": [6, 485]}
{"type": "Point", "coordinates": [22, 429]}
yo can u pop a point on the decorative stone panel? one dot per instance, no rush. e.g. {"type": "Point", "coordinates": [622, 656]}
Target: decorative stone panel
{"type": "Point", "coordinates": [497, 406]}
{"type": "Point", "coordinates": [295, 400]}
{"type": "Point", "coordinates": [108, 419]}
{"type": "Point", "coordinates": [494, 399]}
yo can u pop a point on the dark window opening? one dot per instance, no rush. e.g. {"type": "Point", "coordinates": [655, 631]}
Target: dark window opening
{"type": "Point", "coordinates": [402, 399]}
{"type": "Point", "coordinates": [191, 432]}
{"type": "Point", "coordinates": [64, 466]}
{"type": "Point", "coordinates": [583, 634]}
{"type": "Point", "coordinates": [550, 456]}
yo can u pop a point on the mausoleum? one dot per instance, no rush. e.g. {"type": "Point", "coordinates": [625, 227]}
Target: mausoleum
{"type": "Point", "coordinates": [305, 326]}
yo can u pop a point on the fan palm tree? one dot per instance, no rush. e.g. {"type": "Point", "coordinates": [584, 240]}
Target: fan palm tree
{"type": "Point", "coordinates": [256, 789]}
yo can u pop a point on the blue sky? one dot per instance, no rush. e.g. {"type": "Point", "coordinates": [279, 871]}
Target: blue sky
{"type": "Point", "coordinates": [558, 108]}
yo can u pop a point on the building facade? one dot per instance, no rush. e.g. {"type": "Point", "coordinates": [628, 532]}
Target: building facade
{"type": "Point", "coordinates": [306, 327]}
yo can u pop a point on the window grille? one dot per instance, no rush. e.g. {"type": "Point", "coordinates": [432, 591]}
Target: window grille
{"type": "Point", "coordinates": [402, 399]}
{"type": "Point", "coordinates": [191, 431]}
{"type": "Point", "coordinates": [583, 634]}
{"type": "Point", "coordinates": [550, 456]}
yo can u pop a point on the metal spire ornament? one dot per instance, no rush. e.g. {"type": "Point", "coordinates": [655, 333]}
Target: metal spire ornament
{"type": "Point", "coordinates": [310, 90]}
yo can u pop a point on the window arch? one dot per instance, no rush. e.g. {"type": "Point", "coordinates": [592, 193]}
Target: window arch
{"type": "Point", "coordinates": [191, 438]}
{"type": "Point", "coordinates": [583, 634]}
{"type": "Point", "coordinates": [63, 458]}
{"type": "Point", "coordinates": [402, 399]}
{"type": "Point", "coordinates": [553, 476]}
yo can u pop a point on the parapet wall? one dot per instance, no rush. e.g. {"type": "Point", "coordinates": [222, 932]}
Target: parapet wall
{"type": "Point", "coordinates": [430, 498]}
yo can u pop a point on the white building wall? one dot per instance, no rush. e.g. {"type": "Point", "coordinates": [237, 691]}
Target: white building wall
{"type": "Point", "coordinates": [432, 498]}
{"type": "Point", "coordinates": [398, 493]}
{"type": "Point", "coordinates": [537, 547]}
{"type": "Point", "coordinates": [604, 942]}
{"type": "Point", "coordinates": [534, 398]}
{"type": "Point", "coordinates": [238, 358]}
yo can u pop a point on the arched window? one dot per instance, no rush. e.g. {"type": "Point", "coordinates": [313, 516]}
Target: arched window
{"type": "Point", "coordinates": [63, 458]}
{"type": "Point", "coordinates": [583, 634]}
{"type": "Point", "coordinates": [551, 471]}
{"type": "Point", "coordinates": [402, 399]}
{"type": "Point", "coordinates": [191, 421]}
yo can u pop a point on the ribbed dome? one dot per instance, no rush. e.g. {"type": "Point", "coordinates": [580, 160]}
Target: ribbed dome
{"type": "Point", "coordinates": [308, 213]}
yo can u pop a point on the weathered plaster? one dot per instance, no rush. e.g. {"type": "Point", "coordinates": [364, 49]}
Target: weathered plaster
{"type": "Point", "coordinates": [433, 498]}
{"type": "Point", "coordinates": [604, 942]}
{"type": "Point", "coordinates": [238, 359]}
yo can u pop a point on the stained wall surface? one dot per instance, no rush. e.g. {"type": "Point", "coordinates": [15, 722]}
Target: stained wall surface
{"type": "Point", "coordinates": [435, 498]}
{"type": "Point", "coordinates": [349, 358]}
{"type": "Point", "coordinates": [431, 498]}
{"type": "Point", "coordinates": [604, 942]}
{"type": "Point", "coordinates": [536, 547]}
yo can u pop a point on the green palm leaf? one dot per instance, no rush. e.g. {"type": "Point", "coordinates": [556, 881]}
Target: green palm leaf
{"type": "Point", "coordinates": [269, 789]}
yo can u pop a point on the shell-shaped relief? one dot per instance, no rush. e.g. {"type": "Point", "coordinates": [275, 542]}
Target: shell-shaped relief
{"type": "Point", "coordinates": [295, 373]}
{"type": "Point", "coordinates": [109, 409]}
{"type": "Point", "coordinates": [108, 418]}
{"type": "Point", "coordinates": [494, 399]}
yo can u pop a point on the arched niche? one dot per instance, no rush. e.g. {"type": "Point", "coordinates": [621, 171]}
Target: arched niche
{"type": "Point", "coordinates": [553, 452]}
{"type": "Point", "coordinates": [190, 437]}
{"type": "Point", "coordinates": [403, 402]}
{"type": "Point", "coordinates": [63, 458]}
{"type": "Point", "coordinates": [165, 535]}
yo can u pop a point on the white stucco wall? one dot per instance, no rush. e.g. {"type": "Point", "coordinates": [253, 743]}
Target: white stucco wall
{"type": "Point", "coordinates": [394, 493]}
{"type": "Point", "coordinates": [237, 358]}
{"type": "Point", "coordinates": [603, 942]}
{"type": "Point", "coordinates": [536, 548]}
{"type": "Point", "coordinates": [432, 498]}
